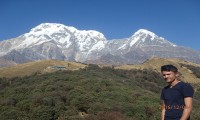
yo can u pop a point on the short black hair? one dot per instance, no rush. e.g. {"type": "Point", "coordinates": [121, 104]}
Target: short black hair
{"type": "Point", "coordinates": [169, 68]}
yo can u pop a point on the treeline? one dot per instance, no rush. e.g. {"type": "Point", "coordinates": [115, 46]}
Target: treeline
{"type": "Point", "coordinates": [91, 93]}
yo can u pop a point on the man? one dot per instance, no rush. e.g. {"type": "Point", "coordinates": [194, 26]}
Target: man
{"type": "Point", "coordinates": [176, 97]}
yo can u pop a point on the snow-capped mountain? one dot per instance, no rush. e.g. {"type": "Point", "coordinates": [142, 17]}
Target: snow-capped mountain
{"type": "Point", "coordinates": [145, 38]}
{"type": "Point", "coordinates": [57, 41]}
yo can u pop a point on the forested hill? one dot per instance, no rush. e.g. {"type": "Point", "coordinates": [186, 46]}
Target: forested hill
{"type": "Point", "coordinates": [90, 93]}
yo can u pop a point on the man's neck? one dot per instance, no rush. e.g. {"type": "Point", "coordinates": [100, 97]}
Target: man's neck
{"type": "Point", "coordinates": [174, 83]}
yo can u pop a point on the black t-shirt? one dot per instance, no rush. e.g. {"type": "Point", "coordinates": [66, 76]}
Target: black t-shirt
{"type": "Point", "coordinates": [174, 99]}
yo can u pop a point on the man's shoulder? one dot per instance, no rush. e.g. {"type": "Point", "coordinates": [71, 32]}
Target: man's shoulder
{"type": "Point", "coordinates": [166, 87]}
{"type": "Point", "coordinates": [186, 89]}
{"type": "Point", "coordinates": [185, 84]}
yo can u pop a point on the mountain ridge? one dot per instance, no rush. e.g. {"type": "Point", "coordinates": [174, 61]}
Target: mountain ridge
{"type": "Point", "coordinates": [57, 41]}
{"type": "Point", "coordinates": [46, 66]}
{"type": "Point", "coordinates": [38, 67]}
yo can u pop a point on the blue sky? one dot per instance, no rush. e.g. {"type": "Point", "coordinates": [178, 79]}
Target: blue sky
{"type": "Point", "coordinates": [178, 21]}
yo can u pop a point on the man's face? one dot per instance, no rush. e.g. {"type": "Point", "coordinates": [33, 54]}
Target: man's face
{"type": "Point", "coordinates": [169, 76]}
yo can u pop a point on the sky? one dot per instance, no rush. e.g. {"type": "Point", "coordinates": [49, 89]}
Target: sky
{"type": "Point", "coordinates": [178, 21]}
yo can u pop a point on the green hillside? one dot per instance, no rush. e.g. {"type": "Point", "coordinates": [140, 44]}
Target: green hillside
{"type": "Point", "coordinates": [91, 93]}
{"type": "Point", "coordinates": [42, 66]}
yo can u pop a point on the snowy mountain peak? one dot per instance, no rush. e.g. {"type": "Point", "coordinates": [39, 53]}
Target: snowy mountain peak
{"type": "Point", "coordinates": [50, 28]}
{"type": "Point", "coordinates": [57, 41]}
{"type": "Point", "coordinates": [144, 37]}
{"type": "Point", "coordinates": [47, 32]}
{"type": "Point", "coordinates": [145, 32]}
{"type": "Point", "coordinates": [92, 34]}
{"type": "Point", "coordinates": [53, 28]}
{"type": "Point", "coordinates": [61, 34]}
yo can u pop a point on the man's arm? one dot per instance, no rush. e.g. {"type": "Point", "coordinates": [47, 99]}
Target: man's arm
{"type": "Point", "coordinates": [187, 109]}
{"type": "Point", "coordinates": [163, 110]}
